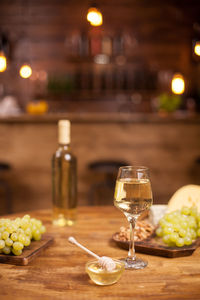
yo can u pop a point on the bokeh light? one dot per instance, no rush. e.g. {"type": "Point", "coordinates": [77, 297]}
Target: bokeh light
{"type": "Point", "coordinates": [3, 62]}
{"type": "Point", "coordinates": [197, 48]}
{"type": "Point", "coordinates": [178, 84]}
{"type": "Point", "coordinates": [94, 16]}
{"type": "Point", "coordinates": [25, 71]}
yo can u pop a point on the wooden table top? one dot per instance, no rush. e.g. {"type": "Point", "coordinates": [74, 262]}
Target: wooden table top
{"type": "Point", "coordinates": [59, 272]}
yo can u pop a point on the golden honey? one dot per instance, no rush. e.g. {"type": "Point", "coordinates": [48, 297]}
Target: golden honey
{"type": "Point", "coordinates": [101, 276]}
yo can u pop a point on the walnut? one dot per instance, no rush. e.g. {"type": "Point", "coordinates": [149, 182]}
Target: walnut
{"type": "Point", "coordinates": [143, 230]}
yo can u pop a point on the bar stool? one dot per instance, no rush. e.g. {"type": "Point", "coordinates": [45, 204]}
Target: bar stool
{"type": "Point", "coordinates": [4, 185]}
{"type": "Point", "coordinates": [102, 192]}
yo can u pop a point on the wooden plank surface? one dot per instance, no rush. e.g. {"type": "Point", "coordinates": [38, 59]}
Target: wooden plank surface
{"type": "Point", "coordinates": [155, 246]}
{"type": "Point", "coordinates": [29, 253]}
{"type": "Point", "coordinates": [59, 272]}
{"type": "Point", "coordinates": [121, 138]}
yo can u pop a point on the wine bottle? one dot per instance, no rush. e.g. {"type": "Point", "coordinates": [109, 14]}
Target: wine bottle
{"type": "Point", "coordinates": [64, 179]}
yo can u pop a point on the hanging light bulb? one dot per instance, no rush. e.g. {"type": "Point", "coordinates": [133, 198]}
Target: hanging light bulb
{"type": "Point", "coordinates": [3, 62]}
{"type": "Point", "coordinates": [25, 71]}
{"type": "Point", "coordinates": [178, 84]}
{"type": "Point", "coordinates": [197, 48]}
{"type": "Point", "coordinates": [94, 16]}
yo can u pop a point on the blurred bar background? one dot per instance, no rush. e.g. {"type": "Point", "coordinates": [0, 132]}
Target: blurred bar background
{"type": "Point", "coordinates": [130, 87]}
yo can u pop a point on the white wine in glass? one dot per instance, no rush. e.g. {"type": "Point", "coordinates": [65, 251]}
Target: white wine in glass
{"type": "Point", "coordinates": [133, 195]}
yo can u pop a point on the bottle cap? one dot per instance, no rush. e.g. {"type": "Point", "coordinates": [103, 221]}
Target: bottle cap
{"type": "Point", "coordinates": [64, 132]}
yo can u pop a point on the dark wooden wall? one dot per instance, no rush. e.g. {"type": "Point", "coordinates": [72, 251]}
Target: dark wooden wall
{"type": "Point", "coordinates": [158, 35]}
{"type": "Point", "coordinates": [28, 147]}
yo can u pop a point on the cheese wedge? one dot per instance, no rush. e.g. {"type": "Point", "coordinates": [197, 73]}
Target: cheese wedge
{"type": "Point", "coordinates": [157, 211]}
{"type": "Point", "coordinates": [187, 195]}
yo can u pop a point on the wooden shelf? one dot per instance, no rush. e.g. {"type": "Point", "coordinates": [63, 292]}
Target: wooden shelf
{"type": "Point", "coordinates": [103, 118]}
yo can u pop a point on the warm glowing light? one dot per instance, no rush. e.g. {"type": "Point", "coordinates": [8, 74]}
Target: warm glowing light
{"type": "Point", "coordinates": [25, 71]}
{"type": "Point", "coordinates": [94, 16]}
{"type": "Point", "coordinates": [197, 48]}
{"type": "Point", "coordinates": [178, 84]}
{"type": "Point", "coordinates": [3, 62]}
{"type": "Point", "coordinates": [101, 59]}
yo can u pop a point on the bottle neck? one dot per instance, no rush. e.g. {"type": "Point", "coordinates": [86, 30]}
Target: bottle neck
{"type": "Point", "coordinates": [64, 146]}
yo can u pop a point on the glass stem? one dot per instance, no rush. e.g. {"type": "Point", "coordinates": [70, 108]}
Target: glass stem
{"type": "Point", "coordinates": [131, 252]}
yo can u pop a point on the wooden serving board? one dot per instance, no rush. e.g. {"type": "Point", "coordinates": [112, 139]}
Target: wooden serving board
{"type": "Point", "coordinates": [29, 253]}
{"type": "Point", "coordinates": [154, 246]}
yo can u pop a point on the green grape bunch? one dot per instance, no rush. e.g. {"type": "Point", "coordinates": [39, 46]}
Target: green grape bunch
{"type": "Point", "coordinates": [17, 234]}
{"type": "Point", "coordinates": [180, 227]}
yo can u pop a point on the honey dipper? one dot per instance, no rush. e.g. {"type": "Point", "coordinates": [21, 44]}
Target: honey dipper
{"type": "Point", "coordinates": [105, 262]}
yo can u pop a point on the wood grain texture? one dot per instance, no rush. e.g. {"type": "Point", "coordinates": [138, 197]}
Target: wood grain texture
{"type": "Point", "coordinates": [29, 253]}
{"type": "Point", "coordinates": [154, 246]}
{"type": "Point", "coordinates": [59, 272]}
{"type": "Point", "coordinates": [152, 142]}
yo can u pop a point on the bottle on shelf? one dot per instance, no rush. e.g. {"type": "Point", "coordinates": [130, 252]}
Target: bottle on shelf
{"type": "Point", "coordinates": [95, 45]}
{"type": "Point", "coordinates": [118, 45]}
{"type": "Point", "coordinates": [83, 45]}
{"type": "Point", "coordinates": [107, 45]}
{"type": "Point", "coordinates": [64, 179]}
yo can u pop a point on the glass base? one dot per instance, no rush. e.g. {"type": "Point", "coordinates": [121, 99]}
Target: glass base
{"type": "Point", "coordinates": [136, 264]}
{"type": "Point", "coordinates": [63, 222]}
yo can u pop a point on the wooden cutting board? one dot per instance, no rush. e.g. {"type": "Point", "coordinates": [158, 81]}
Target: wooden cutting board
{"type": "Point", "coordinates": [154, 246]}
{"type": "Point", "coordinates": [29, 253]}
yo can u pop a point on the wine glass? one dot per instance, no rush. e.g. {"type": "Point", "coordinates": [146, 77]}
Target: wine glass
{"type": "Point", "coordinates": [133, 195]}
